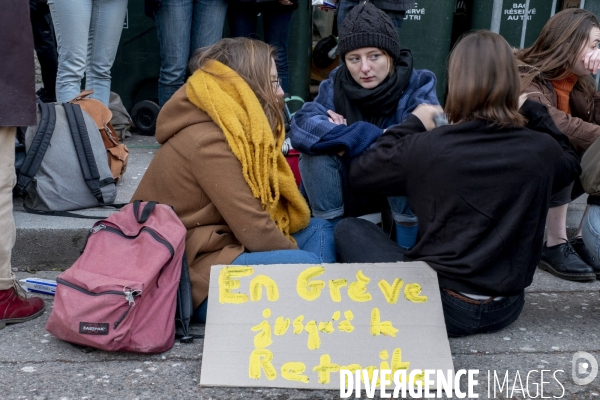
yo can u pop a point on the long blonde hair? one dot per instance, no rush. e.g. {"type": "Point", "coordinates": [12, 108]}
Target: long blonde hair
{"type": "Point", "coordinates": [250, 59]}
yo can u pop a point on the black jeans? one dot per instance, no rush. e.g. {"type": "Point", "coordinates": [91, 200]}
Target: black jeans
{"type": "Point", "coordinates": [360, 241]}
{"type": "Point", "coordinates": [45, 45]}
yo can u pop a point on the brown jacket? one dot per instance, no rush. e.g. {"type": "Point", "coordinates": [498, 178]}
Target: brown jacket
{"type": "Point", "coordinates": [195, 172]}
{"type": "Point", "coordinates": [582, 125]}
{"type": "Point", "coordinates": [17, 72]}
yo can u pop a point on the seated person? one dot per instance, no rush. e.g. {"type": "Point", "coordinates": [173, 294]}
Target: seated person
{"type": "Point", "coordinates": [375, 87]}
{"type": "Point", "coordinates": [555, 71]}
{"type": "Point", "coordinates": [480, 187]}
{"type": "Point", "coordinates": [221, 168]}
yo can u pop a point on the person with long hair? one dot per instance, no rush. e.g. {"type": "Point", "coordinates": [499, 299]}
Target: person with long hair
{"type": "Point", "coordinates": [375, 87]}
{"type": "Point", "coordinates": [480, 187]}
{"type": "Point", "coordinates": [221, 168]}
{"type": "Point", "coordinates": [555, 71]}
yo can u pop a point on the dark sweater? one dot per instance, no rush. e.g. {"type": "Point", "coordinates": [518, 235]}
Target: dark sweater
{"type": "Point", "coordinates": [481, 194]}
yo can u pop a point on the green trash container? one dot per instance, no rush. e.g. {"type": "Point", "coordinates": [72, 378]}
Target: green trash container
{"type": "Point", "coordinates": [507, 17]}
{"type": "Point", "coordinates": [427, 32]}
{"type": "Point", "coordinates": [136, 67]}
{"type": "Point", "coordinates": [299, 55]}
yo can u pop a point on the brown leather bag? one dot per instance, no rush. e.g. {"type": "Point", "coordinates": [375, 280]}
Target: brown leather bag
{"type": "Point", "coordinates": [118, 154]}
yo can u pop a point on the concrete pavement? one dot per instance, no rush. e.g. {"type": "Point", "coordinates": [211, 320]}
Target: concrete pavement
{"type": "Point", "coordinates": [559, 319]}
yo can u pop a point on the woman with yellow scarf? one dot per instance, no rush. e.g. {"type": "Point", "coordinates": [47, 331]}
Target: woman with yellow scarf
{"type": "Point", "coordinates": [221, 168]}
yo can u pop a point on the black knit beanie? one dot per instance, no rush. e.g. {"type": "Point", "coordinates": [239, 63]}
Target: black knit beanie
{"type": "Point", "coordinates": [368, 26]}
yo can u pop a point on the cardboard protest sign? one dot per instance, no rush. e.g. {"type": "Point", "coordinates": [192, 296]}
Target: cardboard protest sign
{"type": "Point", "coordinates": [296, 326]}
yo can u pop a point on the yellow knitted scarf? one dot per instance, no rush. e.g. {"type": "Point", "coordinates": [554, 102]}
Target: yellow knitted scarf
{"type": "Point", "coordinates": [220, 92]}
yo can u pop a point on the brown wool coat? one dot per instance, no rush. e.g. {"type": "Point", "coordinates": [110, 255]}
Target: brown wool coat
{"type": "Point", "coordinates": [581, 126]}
{"type": "Point", "coordinates": [195, 172]}
{"type": "Point", "coordinates": [17, 72]}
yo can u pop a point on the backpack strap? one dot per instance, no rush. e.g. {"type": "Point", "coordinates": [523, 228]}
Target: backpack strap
{"type": "Point", "coordinates": [85, 154]}
{"type": "Point", "coordinates": [39, 145]}
{"type": "Point", "coordinates": [148, 208]}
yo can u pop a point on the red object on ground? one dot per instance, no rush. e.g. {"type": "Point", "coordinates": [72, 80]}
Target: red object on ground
{"type": "Point", "coordinates": [292, 158]}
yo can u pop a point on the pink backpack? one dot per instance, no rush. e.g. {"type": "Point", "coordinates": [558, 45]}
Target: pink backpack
{"type": "Point", "coordinates": [121, 292]}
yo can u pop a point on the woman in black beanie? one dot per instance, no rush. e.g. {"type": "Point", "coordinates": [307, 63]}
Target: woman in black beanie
{"type": "Point", "coordinates": [375, 87]}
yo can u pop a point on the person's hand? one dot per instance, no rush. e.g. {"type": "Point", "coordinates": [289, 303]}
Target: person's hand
{"type": "Point", "coordinates": [522, 99]}
{"type": "Point", "coordinates": [336, 118]}
{"type": "Point", "coordinates": [426, 112]}
{"type": "Point", "coordinates": [591, 60]}
{"type": "Point", "coordinates": [285, 2]}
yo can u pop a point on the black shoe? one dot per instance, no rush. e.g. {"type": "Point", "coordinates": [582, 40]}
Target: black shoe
{"type": "Point", "coordinates": [586, 255]}
{"type": "Point", "coordinates": [562, 261]}
{"type": "Point", "coordinates": [46, 97]}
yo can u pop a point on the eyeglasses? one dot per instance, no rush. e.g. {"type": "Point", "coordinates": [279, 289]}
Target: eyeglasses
{"type": "Point", "coordinates": [276, 83]}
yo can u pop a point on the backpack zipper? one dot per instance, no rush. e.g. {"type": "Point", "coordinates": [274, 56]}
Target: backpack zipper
{"type": "Point", "coordinates": [128, 292]}
{"type": "Point", "coordinates": [152, 233]}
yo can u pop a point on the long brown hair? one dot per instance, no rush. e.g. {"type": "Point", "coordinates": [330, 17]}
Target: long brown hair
{"type": "Point", "coordinates": [250, 59]}
{"type": "Point", "coordinates": [483, 81]}
{"type": "Point", "coordinates": [555, 51]}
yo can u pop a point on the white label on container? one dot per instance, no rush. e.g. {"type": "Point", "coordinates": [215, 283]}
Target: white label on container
{"type": "Point", "coordinates": [517, 12]}
{"type": "Point", "coordinates": [415, 14]}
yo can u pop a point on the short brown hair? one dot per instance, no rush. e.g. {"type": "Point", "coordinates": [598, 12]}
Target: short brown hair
{"type": "Point", "coordinates": [250, 59]}
{"type": "Point", "coordinates": [483, 81]}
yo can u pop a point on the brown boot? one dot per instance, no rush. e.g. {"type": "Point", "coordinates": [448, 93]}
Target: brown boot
{"type": "Point", "coordinates": [15, 307]}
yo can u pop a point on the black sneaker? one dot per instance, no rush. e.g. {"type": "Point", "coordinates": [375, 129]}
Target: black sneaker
{"type": "Point", "coordinates": [562, 261]}
{"type": "Point", "coordinates": [586, 255]}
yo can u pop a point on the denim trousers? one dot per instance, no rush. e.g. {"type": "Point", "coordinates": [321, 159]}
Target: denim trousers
{"type": "Point", "coordinates": [87, 38]}
{"type": "Point", "coordinates": [182, 27]}
{"type": "Point", "coordinates": [590, 230]}
{"type": "Point", "coordinates": [276, 27]}
{"type": "Point", "coordinates": [45, 44]}
{"type": "Point", "coordinates": [325, 182]}
{"type": "Point", "coordinates": [359, 241]}
{"type": "Point", "coordinates": [345, 6]}
{"type": "Point", "coordinates": [316, 246]}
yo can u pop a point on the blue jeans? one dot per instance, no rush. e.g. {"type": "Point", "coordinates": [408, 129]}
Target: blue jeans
{"type": "Point", "coordinates": [316, 246]}
{"type": "Point", "coordinates": [276, 26]}
{"type": "Point", "coordinates": [182, 27]}
{"type": "Point", "coordinates": [467, 318]}
{"type": "Point", "coordinates": [359, 241]}
{"type": "Point", "coordinates": [590, 230]}
{"type": "Point", "coordinates": [87, 37]}
{"type": "Point", "coordinates": [325, 184]}
{"type": "Point", "coordinates": [345, 6]}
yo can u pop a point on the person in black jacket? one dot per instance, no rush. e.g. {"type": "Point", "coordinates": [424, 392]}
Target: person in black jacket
{"type": "Point", "coordinates": [480, 188]}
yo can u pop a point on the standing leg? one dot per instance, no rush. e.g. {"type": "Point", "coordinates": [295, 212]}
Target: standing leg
{"type": "Point", "coordinates": [344, 7]}
{"type": "Point", "coordinates": [173, 26]}
{"type": "Point", "coordinates": [243, 21]}
{"type": "Point", "coordinates": [397, 18]}
{"type": "Point", "coordinates": [72, 26]}
{"type": "Point", "coordinates": [7, 222]}
{"type": "Point", "coordinates": [207, 23]}
{"type": "Point", "coordinates": [108, 17]}
{"type": "Point", "coordinates": [45, 47]}
{"type": "Point", "coordinates": [14, 306]}
{"type": "Point", "coordinates": [277, 33]}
